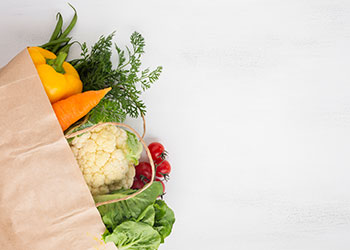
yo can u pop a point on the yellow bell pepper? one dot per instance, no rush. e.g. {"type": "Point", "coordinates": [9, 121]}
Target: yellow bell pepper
{"type": "Point", "coordinates": [60, 79]}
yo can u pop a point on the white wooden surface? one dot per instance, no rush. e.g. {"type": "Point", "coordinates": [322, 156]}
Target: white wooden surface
{"type": "Point", "coordinates": [253, 106]}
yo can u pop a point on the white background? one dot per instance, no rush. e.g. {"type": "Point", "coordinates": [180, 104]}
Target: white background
{"type": "Point", "coordinates": [253, 106]}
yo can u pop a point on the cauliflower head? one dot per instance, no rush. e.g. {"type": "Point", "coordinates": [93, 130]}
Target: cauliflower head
{"type": "Point", "coordinates": [106, 156]}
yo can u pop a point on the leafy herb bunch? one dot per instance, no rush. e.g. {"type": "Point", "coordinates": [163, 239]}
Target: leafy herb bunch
{"type": "Point", "coordinates": [127, 79]}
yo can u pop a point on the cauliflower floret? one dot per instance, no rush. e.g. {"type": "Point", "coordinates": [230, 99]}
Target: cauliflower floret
{"type": "Point", "coordinates": [126, 182]}
{"type": "Point", "coordinates": [106, 158]}
{"type": "Point", "coordinates": [79, 141]}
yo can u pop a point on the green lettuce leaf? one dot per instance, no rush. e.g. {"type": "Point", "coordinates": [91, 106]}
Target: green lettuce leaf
{"type": "Point", "coordinates": [116, 213]}
{"type": "Point", "coordinates": [132, 235]}
{"type": "Point", "coordinates": [148, 215]}
{"type": "Point", "coordinates": [134, 148]}
{"type": "Point", "coordinates": [164, 219]}
{"type": "Point", "coordinates": [116, 194]}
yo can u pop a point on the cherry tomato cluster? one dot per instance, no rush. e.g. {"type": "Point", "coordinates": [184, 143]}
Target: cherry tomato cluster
{"type": "Point", "coordinates": [144, 169]}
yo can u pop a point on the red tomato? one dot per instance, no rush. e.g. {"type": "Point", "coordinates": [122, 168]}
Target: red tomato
{"type": "Point", "coordinates": [157, 150]}
{"type": "Point", "coordinates": [138, 183]}
{"type": "Point", "coordinates": [163, 168]}
{"type": "Point", "coordinates": [144, 169]}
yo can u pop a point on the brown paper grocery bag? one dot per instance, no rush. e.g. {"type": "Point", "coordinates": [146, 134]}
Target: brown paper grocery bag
{"type": "Point", "coordinates": [44, 201]}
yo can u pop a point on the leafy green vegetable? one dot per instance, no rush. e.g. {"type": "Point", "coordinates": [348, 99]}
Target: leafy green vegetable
{"type": "Point", "coordinates": [59, 41]}
{"type": "Point", "coordinates": [147, 216]}
{"type": "Point", "coordinates": [159, 209]}
{"type": "Point", "coordinates": [116, 213]}
{"type": "Point", "coordinates": [141, 222]}
{"type": "Point", "coordinates": [132, 235]}
{"type": "Point", "coordinates": [164, 219]}
{"type": "Point", "coordinates": [135, 148]}
{"type": "Point", "coordinates": [127, 80]}
{"type": "Point", "coordinates": [106, 111]}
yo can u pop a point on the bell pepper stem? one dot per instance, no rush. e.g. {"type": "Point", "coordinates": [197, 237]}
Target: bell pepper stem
{"type": "Point", "coordinates": [58, 62]}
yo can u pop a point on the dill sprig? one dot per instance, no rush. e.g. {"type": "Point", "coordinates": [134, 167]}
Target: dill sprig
{"type": "Point", "coordinates": [127, 79]}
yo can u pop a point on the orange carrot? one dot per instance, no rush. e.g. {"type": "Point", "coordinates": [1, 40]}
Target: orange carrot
{"type": "Point", "coordinates": [73, 108]}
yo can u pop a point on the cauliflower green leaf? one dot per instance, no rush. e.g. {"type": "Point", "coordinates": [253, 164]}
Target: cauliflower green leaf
{"type": "Point", "coordinates": [134, 148]}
